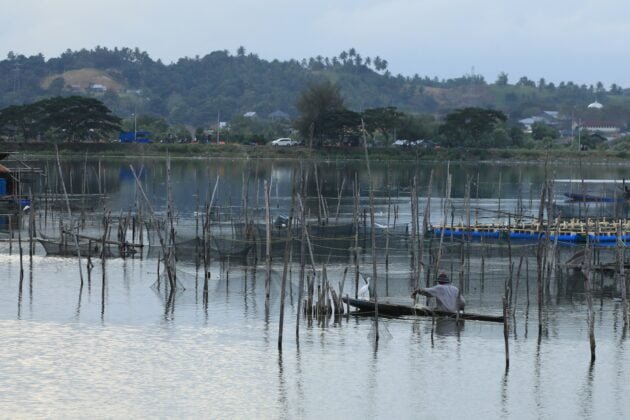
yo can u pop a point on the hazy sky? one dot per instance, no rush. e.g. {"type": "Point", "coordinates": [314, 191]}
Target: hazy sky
{"type": "Point", "coordinates": [580, 40]}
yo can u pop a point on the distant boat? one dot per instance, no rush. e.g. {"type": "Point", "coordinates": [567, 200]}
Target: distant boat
{"type": "Point", "coordinates": [588, 198]}
{"type": "Point", "coordinates": [65, 246]}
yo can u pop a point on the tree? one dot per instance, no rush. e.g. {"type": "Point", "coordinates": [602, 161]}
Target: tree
{"type": "Point", "coordinates": [524, 81]}
{"type": "Point", "coordinates": [385, 120]}
{"type": "Point", "coordinates": [541, 130]}
{"type": "Point", "coordinates": [470, 127]}
{"type": "Point", "coordinates": [157, 126]}
{"type": "Point", "coordinates": [56, 86]}
{"type": "Point", "coordinates": [79, 118]}
{"type": "Point", "coordinates": [314, 104]}
{"type": "Point", "coordinates": [73, 118]}
{"type": "Point", "coordinates": [342, 125]}
{"type": "Point", "coordinates": [502, 79]}
{"type": "Point", "coordinates": [19, 120]}
{"type": "Point", "coordinates": [417, 127]}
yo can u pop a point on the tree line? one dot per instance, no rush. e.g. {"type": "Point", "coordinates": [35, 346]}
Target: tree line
{"type": "Point", "coordinates": [196, 91]}
{"type": "Point", "coordinates": [324, 120]}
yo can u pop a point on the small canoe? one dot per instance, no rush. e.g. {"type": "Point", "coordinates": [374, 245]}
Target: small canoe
{"type": "Point", "coordinates": [593, 198]}
{"type": "Point", "coordinates": [395, 309]}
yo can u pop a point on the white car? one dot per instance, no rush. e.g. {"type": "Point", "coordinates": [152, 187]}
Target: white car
{"type": "Point", "coordinates": [284, 141]}
{"type": "Point", "coordinates": [400, 143]}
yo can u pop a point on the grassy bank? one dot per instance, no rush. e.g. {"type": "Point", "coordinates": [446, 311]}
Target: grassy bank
{"type": "Point", "coordinates": [236, 151]}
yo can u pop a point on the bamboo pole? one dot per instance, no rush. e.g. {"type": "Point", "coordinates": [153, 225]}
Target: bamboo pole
{"type": "Point", "coordinates": [170, 215]}
{"type": "Point", "coordinates": [287, 250]}
{"type": "Point", "coordinates": [539, 259]}
{"type": "Point", "coordinates": [447, 200]}
{"type": "Point", "coordinates": [414, 234]}
{"type": "Point", "coordinates": [371, 201]}
{"type": "Point", "coordinates": [621, 276]}
{"type": "Point", "coordinates": [302, 252]}
{"type": "Point", "coordinates": [65, 193]}
{"type": "Point", "coordinates": [506, 330]}
{"type": "Point", "coordinates": [163, 245]}
{"type": "Point", "coordinates": [426, 217]}
{"type": "Point", "coordinates": [590, 314]}
{"type": "Point", "coordinates": [343, 181]}
{"type": "Point", "coordinates": [268, 243]}
{"type": "Point", "coordinates": [355, 216]}
{"type": "Point", "coordinates": [389, 212]}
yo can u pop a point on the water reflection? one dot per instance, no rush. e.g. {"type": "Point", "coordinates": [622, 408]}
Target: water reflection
{"type": "Point", "coordinates": [282, 387]}
{"type": "Point", "coordinates": [176, 359]}
{"type": "Point", "coordinates": [504, 394]}
{"type": "Point", "coordinates": [586, 393]}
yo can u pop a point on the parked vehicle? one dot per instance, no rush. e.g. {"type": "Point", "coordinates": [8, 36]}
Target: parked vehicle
{"type": "Point", "coordinates": [400, 143]}
{"type": "Point", "coordinates": [284, 141]}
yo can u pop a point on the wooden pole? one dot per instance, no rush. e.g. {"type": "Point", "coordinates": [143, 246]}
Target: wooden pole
{"type": "Point", "coordinates": [268, 242]}
{"type": "Point", "coordinates": [287, 250]}
{"type": "Point", "coordinates": [621, 276]}
{"type": "Point", "coordinates": [371, 200]}
{"type": "Point", "coordinates": [302, 251]}
{"type": "Point", "coordinates": [414, 234]}
{"type": "Point", "coordinates": [506, 330]}
{"type": "Point", "coordinates": [588, 288]}
{"type": "Point", "coordinates": [65, 193]}
{"type": "Point", "coordinates": [426, 217]}
{"type": "Point", "coordinates": [356, 234]}
{"type": "Point", "coordinates": [539, 259]}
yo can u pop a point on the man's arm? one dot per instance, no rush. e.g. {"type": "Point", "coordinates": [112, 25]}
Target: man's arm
{"type": "Point", "coordinates": [420, 291]}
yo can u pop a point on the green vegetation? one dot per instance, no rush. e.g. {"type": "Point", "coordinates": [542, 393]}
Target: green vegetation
{"type": "Point", "coordinates": [322, 101]}
{"type": "Point", "coordinates": [194, 91]}
{"type": "Point", "coordinates": [70, 118]}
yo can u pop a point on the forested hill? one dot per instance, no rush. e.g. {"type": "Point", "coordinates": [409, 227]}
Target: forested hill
{"type": "Point", "coordinates": [196, 91]}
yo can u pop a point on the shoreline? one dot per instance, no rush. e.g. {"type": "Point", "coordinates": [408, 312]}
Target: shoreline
{"type": "Point", "coordinates": [70, 151]}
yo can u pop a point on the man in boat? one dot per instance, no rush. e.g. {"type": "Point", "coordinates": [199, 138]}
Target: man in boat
{"type": "Point", "coordinates": [447, 296]}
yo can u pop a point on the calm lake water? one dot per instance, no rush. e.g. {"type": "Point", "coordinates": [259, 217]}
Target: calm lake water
{"type": "Point", "coordinates": [115, 348]}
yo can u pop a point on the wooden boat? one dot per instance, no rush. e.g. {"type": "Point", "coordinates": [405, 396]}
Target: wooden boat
{"type": "Point", "coordinates": [588, 198]}
{"type": "Point", "coordinates": [66, 246]}
{"type": "Point", "coordinates": [322, 231]}
{"type": "Point", "coordinates": [396, 309]}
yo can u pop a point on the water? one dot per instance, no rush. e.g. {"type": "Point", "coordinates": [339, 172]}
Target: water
{"type": "Point", "coordinates": [115, 348]}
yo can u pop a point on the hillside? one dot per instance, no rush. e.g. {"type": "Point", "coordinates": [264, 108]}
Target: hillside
{"type": "Point", "coordinates": [196, 91]}
{"type": "Point", "coordinates": [83, 79]}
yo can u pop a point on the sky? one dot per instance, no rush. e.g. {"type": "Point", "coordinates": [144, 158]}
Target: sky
{"type": "Point", "coordinates": [583, 41]}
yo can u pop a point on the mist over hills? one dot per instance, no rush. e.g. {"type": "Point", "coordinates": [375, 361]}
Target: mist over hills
{"type": "Point", "coordinates": [198, 91]}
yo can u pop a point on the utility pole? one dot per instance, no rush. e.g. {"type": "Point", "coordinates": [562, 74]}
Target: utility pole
{"type": "Point", "coordinates": [135, 125]}
{"type": "Point", "coordinates": [218, 127]}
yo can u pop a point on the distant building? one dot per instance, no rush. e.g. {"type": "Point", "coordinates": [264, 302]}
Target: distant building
{"type": "Point", "coordinates": [605, 128]}
{"type": "Point", "coordinates": [250, 114]}
{"type": "Point", "coordinates": [595, 105]}
{"type": "Point", "coordinates": [550, 118]}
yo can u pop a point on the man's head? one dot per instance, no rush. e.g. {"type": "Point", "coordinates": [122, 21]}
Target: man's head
{"type": "Point", "coordinates": [443, 278]}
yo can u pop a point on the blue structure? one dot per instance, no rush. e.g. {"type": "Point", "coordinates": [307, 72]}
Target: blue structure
{"type": "Point", "coordinates": [135, 137]}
